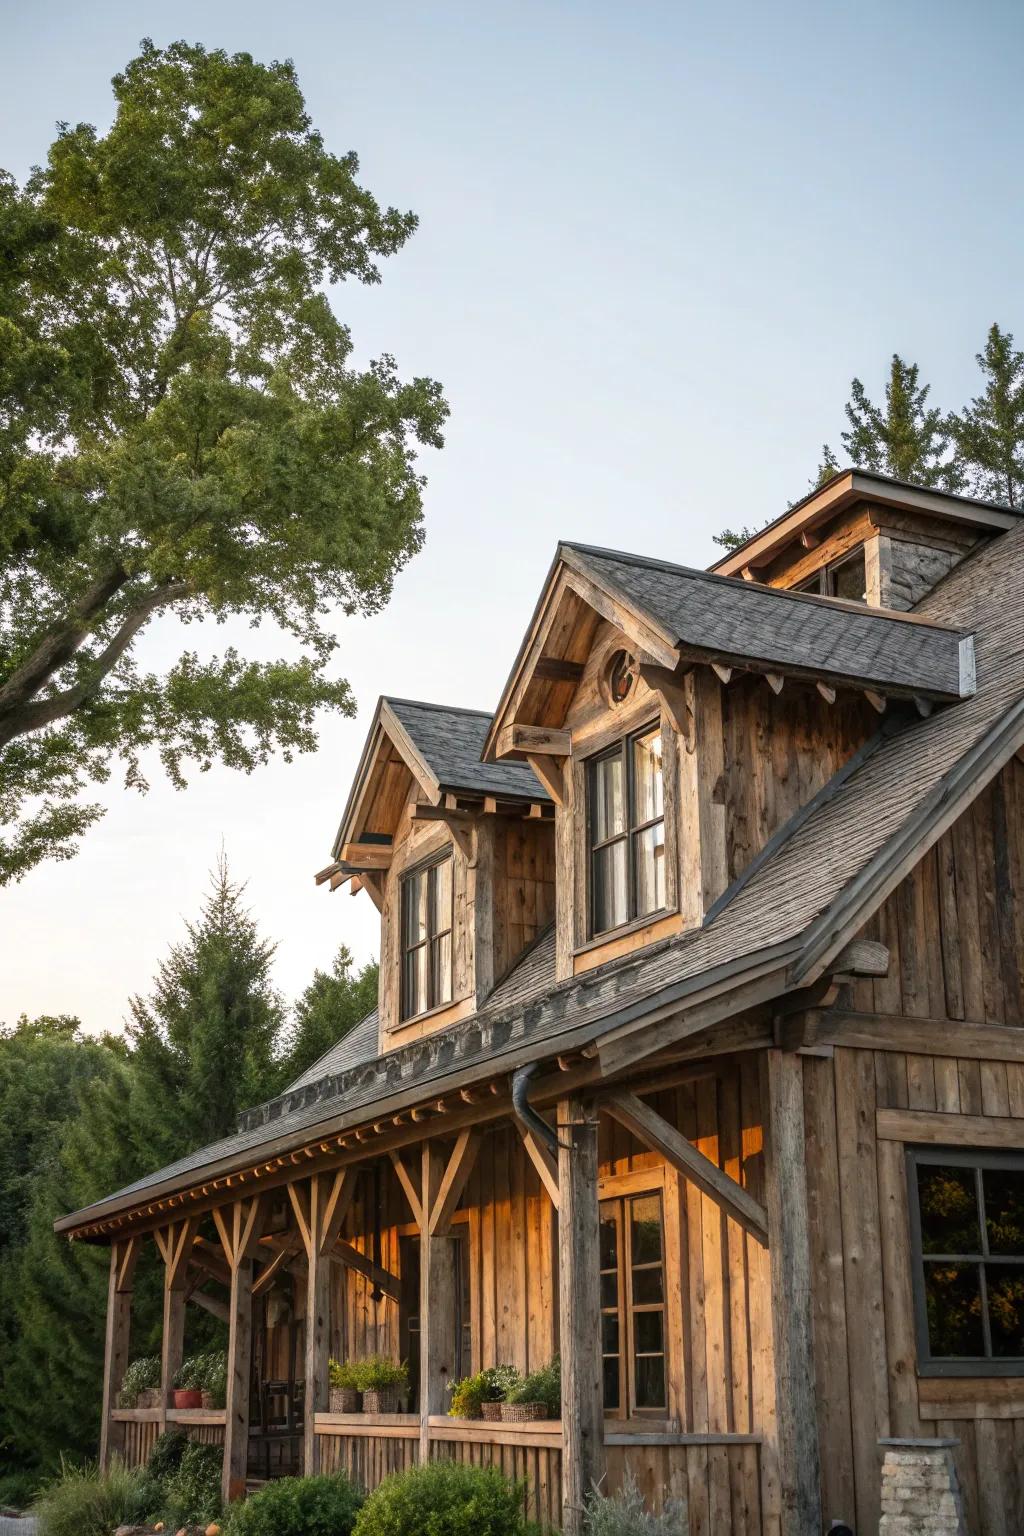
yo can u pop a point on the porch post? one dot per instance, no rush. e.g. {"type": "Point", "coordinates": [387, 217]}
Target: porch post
{"type": "Point", "coordinates": [438, 1341]}
{"type": "Point", "coordinates": [579, 1310]}
{"type": "Point", "coordinates": [239, 1234]}
{"type": "Point", "coordinates": [792, 1319]}
{"type": "Point", "coordinates": [115, 1351]}
{"type": "Point", "coordinates": [175, 1244]}
{"type": "Point", "coordinates": [318, 1324]}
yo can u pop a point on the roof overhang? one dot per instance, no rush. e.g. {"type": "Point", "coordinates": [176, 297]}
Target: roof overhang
{"type": "Point", "coordinates": [848, 488]}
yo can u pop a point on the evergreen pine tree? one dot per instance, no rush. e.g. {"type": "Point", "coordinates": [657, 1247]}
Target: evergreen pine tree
{"type": "Point", "coordinates": [906, 439]}
{"type": "Point", "coordinates": [332, 1004]}
{"type": "Point", "coordinates": [989, 433]}
{"type": "Point", "coordinates": [204, 1045]}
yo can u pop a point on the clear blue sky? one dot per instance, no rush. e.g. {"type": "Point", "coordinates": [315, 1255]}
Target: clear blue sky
{"type": "Point", "coordinates": [656, 242]}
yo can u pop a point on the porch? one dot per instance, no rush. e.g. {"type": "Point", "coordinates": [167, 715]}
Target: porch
{"type": "Point", "coordinates": [457, 1237]}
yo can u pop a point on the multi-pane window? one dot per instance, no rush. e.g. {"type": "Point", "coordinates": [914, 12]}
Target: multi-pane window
{"type": "Point", "coordinates": [627, 832]}
{"type": "Point", "coordinates": [967, 1216]}
{"type": "Point", "coordinates": [841, 578]}
{"type": "Point", "coordinates": [633, 1305]}
{"type": "Point", "coordinates": [427, 937]}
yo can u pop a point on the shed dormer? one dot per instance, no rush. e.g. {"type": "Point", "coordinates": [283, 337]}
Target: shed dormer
{"type": "Point", "coordinates": [865, 538]}
{"type": "Point", "coordinates": [457, 855]}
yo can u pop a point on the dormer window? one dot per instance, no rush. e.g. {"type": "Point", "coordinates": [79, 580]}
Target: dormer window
{"type": "Point", "coordinates": [427, 937]}
{"type": "Point", "coordinates": [845, 578]}
{"type": "Point", "coordinates": [627, 832]}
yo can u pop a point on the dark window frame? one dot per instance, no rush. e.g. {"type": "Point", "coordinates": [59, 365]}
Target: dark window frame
{"type": "Point", "coordinates": [442, 856]}
{"type": "Point", "coordinates": [623, 748]}
{"type": "Point", "coordinates": [823, 583]}
{"type": "Point", "coordinates": [626, 1308]}
{"type": "Point", "coordinates": [978, 1160]}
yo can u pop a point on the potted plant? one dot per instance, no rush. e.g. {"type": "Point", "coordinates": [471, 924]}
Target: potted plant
{"type": "Point", "coordinates": [536, 1396]}
{"type": "Point", "coordinates": [212, 1371]}
{"type": "Point", "coordinates": [140, 1386]}
{"type": "Point", "coordinates": [481, 1396]}
{"type": "Point", "coordinates": [344, 1389]}
{"type": "Point", "coordinates": [188, 1383]}
{"type": "Point", "coordinates": [380, 1380]}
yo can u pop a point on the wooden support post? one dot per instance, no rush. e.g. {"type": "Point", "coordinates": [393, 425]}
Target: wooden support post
{"type": "Point", "coordinates": [115, 1351]}
{"type": "Point", "coordinates": [438, 1340]}
{"type": "Point", "coordinates": [239, 1234]}
{"type": "Point", "coordinates": [311, 1210]}
{"type": "Point", "coordinates": [579, 1310]}
{"type": "Point", "coordinates": [175, 1244]}
{"type": "Point", "coordinates": [792, 1320]}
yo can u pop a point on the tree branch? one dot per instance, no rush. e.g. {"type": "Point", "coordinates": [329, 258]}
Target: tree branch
{"type": "Point", "coordinates": [20, 720]}
{"type": "Point", "coordinates": [61, 643]}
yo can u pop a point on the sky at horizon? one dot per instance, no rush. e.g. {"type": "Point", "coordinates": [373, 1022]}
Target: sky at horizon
{"type": "Point", "coordinates": [656, 243]}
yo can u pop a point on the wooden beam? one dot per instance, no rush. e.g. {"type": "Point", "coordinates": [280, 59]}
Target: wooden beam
{"type": "Point", "coordinates": [723, 673]}
{"type": "Point", "coordinates": [239, 1369]}
{"type": "Point", "coordinates": [933, 1128]}
{"type": "Point", "coordinates": [775, 681]}
{"type": "Point", "coordinates": [411, 1192]}
{"type": "Point", "coordinates": [212, 1304]}
{"type": "Point", "coordinates": [661, 1137]}
{"type": "Point", "coordinates": [827, 692]}
{"type": "Point", "coordinates": [537, 739]}
{"type": "Point", "coordinates": [337, 1207]}
{"type": "Point", "coordinates": [553, 669]}
{"type": "Point", "coordinates": [298, 1195]}
{"type": "Point", "coordinates": [366, 855]}
{"type": "Point", "coordinates": [792, 1321]}
{"type": "Point", "coordinates": [549, 771]}
{"type": "Point", "coordinates": [877, 701]}
{"type": "Point", "coordinates": [372, 886]}
{"type": "Point", "coordinates": [267, 1275]}
{"type": "Point", "coordinates": [453, 1181]}
{"type": "Point", "coordinates": [919, 1036]}
{"type": "Point", "coordinates": [352, 1258]}
{"type": "Point", "coordinates": [542, 1160]}
{"type": "Point", "coordinates": [438, 1308]}
{"type": "Point", "coordinates": [579, 1308]}
{"type": "Point", "coordinates": [318, 1310]}
{"type": "Point", "coordinates": [115, 1347]}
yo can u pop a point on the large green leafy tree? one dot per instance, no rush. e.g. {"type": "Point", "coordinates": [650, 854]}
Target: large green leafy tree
{"type": "Point", "coordinates": [183, 430]}
{"type": "Point", "coordinates": [989, 433]}
{"type": "Point", "coordinates": [333, 1004]}
{"type": "Point", "coordinates": [905, 437]}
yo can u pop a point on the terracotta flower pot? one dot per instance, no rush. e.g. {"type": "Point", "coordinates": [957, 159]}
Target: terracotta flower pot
{"type": "Point", "coordinates": [187, 1399]}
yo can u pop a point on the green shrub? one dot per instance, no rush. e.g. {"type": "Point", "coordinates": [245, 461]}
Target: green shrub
{"type": "Point", "coordinates": [193, 1491]}
{"type": "Point", "coordinates": [212, 1372]}
{"type": "Point", "coordinates": [165, 1457]}
{"type": "Point", "coordinates": [141, 1373]}
{"type": "Point", "coordinates": [490, 1386]}
{"type": "Point", "coordinates": [378, 1373]}
{"type": "Point", "coordinates": [189, 1375]}
{"type": "Point", "coordinates": [344, 1373]}
{"type": "Point", "coordinates": [18, 1489]}
{"type": "Point", "coordinates": [298, 1506]}
{"type": "Point", "coordinates": [82, 1501]}
{"type": "Point", "coordinates": [625, 1514]}
{"type": "Point", "coordinates": [542, 1386]}
{"type": "Point", "coordinates": [444, 1498]}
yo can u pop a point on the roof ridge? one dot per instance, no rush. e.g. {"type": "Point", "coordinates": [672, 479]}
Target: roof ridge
{"type": "Point", "coordinates": [445, 709]}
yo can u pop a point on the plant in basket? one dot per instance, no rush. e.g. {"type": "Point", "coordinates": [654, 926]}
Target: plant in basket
{"type": "Point", "coordinates": [380, 1379]}
{"type": "Point", "coordinates": [140, 1386]}
{"type": "Point", "coordinates": [536, 1396]}
{"type": "Point", "coordinates": [481, 1396]}
{"type": "Point", "coordinates": [344, 1377]}
{"type": "Point", "coordinates": [212, 1373]}
{"type": "Point", "coordinates": [188, 1383]}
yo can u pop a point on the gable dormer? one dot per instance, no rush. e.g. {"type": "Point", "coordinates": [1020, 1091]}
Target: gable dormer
{"type": "Point", "coordinates": [865, 538]}
{"type": "Point", "coordinates": [457, 855]}
{"type": "Point", "coordinates": [680, 720]}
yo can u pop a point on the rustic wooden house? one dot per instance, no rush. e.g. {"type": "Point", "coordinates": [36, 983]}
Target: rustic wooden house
{"type": "Point", "coordinates": [698, 1060]}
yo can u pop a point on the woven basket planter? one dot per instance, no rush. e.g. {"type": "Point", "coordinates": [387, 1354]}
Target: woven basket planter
{"type": "Point", "coordinates": [344, 1400]}
{"type": "Point", "coordinates": [522, 1413]}
{"type": "Point", "coordinates": [149, 1397]}
{"type": "Point", "coordinates": [491, 1412]}
{"type": "Point", "coordinates": [380, 1402]}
